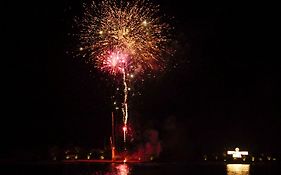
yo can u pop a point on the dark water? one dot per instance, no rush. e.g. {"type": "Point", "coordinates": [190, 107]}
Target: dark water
{"type": "Point", "coordinates": [142, 169]}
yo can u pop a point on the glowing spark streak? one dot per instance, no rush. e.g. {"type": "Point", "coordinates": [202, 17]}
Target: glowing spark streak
{"type": "Point", "coordinates": [125, 103]}
{"type": "Point", "coordinates": [125, 98]}
{"type": "Point", "coordinates": [124, 131]}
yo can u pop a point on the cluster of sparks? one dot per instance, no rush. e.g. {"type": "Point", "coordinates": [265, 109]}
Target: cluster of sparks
{"type": "Point", "coordinates": [126, 38]}
{"type": "Point", "coordinates": [126, 35]}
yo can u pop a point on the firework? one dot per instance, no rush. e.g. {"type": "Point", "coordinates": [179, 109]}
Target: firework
{"type": "Point", "coordinates": [133, 30]}
{"type": "Point", "coordinates": [127, 38]}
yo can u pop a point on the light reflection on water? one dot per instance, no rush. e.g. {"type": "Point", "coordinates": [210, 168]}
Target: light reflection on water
{"type": "Point", "coordinates": [238, 169]}
{"type": "Point", "coordinates": [151, 168]}
{"type": "Point", "coordinates": [122, 169]}
{"type": "Point", "coordinates": [116, 169]}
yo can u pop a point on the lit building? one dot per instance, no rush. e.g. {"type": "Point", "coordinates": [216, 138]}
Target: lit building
{"type": "Point", "coordinates": [237, 154]}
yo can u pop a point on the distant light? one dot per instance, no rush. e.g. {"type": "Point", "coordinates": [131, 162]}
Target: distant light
{"type": "Point", "coordinates": [101, 32]}
{"type": "Point", "coordinates": [129, 89]}
{"type": "Point", "coordinates": [237, 153]}
{"type": "Point", "coordinates": [81, 48]}
{"type": "Point", "coordinates": [132, 76]}
{"type": "Point", "coordinates": [253, 159]}
{"type": "Point", "coordinates": [274, 158]}
{"type": "Point", "coordinates": [205, 157]}
{"type": "Point", "coordinates": [125, 160]}
{"type": "Point", "coordinates": [124, 128]}
{"type": "Point", "coordinates": [102, 157]}
{"type": "Point", "coordinates": [76, 157]}
{"type": "Point", "coordinates": [88, 157]}
{"type": "Point", "coordinates": [114, 103]}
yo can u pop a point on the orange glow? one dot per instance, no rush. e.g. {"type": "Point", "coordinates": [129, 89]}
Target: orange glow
{"type": "Point", "coordinates": [238, 169]}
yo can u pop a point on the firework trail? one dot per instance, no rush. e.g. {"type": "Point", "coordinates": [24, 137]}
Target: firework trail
{"type": "Point", "coordinates": [125, 103]}
{"type": "Point", "coordinates": [123, 38]}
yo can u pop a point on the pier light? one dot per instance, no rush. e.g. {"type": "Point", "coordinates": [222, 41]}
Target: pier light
{"type": "Point", "coordinates": [237, 153]}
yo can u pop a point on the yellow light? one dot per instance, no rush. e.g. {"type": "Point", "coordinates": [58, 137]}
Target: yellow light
{"type": "Point", "coordinates": [132, 76]}
{"type": "Point", "coordinates": [237, 153]}
{"type": "Point", "coordinates": [81, 48]}
{"type": "Point", "coordinates": [101, 157]}
{"type": "Point", "coordinates": [101, 32]}
{"type": "Point", "coordinates": [144, 23]}
{"type": "Point", "coordinates": [239, 169]}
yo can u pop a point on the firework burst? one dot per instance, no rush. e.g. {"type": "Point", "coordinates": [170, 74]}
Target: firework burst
{"type": "Point", "coordinates": [127, 38]}
{"type": "Point", "coordinates": [132, 30]}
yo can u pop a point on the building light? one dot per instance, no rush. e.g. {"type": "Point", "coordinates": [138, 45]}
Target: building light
{"type": "Point", "coordinates": [253, 159]}
{"type": "Point", "coordinates": [237, 153]}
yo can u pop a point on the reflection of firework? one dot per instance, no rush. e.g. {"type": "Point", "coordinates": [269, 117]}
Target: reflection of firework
{"type": "Point", "coordinates": [131, 28]}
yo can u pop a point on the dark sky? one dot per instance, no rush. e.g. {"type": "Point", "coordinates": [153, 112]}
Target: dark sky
{"type": "Point", "coordinates": [224, 92]}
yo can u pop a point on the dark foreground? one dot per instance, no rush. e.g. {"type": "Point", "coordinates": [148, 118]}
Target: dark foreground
{"type": "Point", "coordinates": [133, 168]}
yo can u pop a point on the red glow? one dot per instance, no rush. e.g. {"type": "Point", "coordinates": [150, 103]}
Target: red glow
{"type": "Point", "coordinates": [124, 128]}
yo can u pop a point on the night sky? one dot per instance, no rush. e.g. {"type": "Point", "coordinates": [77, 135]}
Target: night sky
{"type": "Point", "coordinates": [224, 92]}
